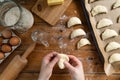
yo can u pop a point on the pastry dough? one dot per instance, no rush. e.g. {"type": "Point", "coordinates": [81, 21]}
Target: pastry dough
{"type": "Point", "coordinates": [112, 46]}
{"type": "Point", "coordinates": [104, 23]}
{"type": "Point", "coordinates": [63, 58]}
{"type": "Point", "coordinates": [116, 4]}
{"type": "Point", "coordinates": [77, 32]}
{"type": "Point", "coordinates": [73, 21]}
{"type": "Point", "coordinates": [83, 42]}
{"type": "Point", "coordinates": [114, 58]}
{"type": "Point", "coordinates": [108, 33]}
{"type": "Point", "coordinates": [99, 9]}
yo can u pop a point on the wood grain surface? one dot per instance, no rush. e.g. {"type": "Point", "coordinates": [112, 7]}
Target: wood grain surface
{"type": "Point", "coordinates": [88, 55]}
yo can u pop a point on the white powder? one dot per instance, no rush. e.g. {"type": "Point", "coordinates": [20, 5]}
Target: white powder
{"type": "Point", "coordinates": [26, 19]}
{"type": "Point", "coordinates": [12, 16]}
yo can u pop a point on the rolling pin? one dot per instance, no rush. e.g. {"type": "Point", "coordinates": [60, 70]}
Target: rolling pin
{"type": "Point", "coordinates": [16, 65]}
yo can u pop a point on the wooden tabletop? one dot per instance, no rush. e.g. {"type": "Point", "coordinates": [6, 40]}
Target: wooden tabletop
{"type": "Point", "coordinates": [88, 55]}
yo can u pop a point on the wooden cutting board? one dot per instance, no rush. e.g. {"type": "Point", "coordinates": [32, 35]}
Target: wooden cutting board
{"type": "Point", "coordinates": [51, 14]}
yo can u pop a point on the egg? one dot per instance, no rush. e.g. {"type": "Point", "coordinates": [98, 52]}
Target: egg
{"type": "Point", "coordinates": [1, 55]}
{"type": "Point", "coordinates": [14, 41]}
{"type": "Point", "coordinates": [1, 40]}
{"type": "Point", "coordinates": [7, 34]}
{"type": "Point", "coordinates": [6, 48]}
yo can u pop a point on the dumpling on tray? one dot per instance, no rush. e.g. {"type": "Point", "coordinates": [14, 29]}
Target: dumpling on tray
{"type": "Point", "coordinates": [112, 46]}
{"type": "Point", "coordinates": [98, 10]}
{"type": "Point", "coordinates": [83, 42]}
{"type": "Point", "coordinates": [114, 58]}
{"type": "Point", "coordinates": [116, 4]}
{"type": "Point", "coordinates": [77, 32]}
{"type": "Point", "coordinates": [73, 21]}
{"type": "Point", "coordinates": [108, 33]}
{"type": "Point", "coordinates": [104, 23]}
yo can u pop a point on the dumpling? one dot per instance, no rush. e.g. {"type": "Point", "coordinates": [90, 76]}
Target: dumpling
{"type": "Point", "coordinates": [77, 32]}
{"type": "Point", "coordinates": [114, 58]}
{"type": "Point", "coordinates": [82, 43]}
{"type": "Point", "coordinates": [112, 46]}
{"type": "Point", "coordinates": [116, 4]}
{"type": "Point", "coordinates": [108, 33]}
{"type": "Point", "coordinates": [63, 58]}
{"type": "Point", "coordinates": [104, 23]}
{"type": "Point", "coordinates": [99, 9]}
{"type": "Point", "coordinates": [73, 21]}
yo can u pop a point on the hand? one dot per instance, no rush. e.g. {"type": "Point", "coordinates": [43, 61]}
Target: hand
{"type": "Point", "coordinates": [48, 63]}
{"type": "Point", "coordinates": [75, 68]}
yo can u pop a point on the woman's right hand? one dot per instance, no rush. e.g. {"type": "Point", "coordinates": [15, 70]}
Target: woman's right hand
{"type": "Point", "coordinates": [75, 68]}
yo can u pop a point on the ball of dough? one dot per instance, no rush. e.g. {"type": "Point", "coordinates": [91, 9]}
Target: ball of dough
{"type": "Point", "coordinates": [6, 48]}
{"type": "Point", "coordinates": [63, 58]}
{"type": "Point", "coordinates": [14, 41]}
{"type": "Point", "coordinates": [7, 34]}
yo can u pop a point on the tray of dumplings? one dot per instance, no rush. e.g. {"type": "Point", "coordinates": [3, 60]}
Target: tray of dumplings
{"type": "Point", "coordinates": [104, 18]}
{"type": "Point", "coordinates": [9, 41]}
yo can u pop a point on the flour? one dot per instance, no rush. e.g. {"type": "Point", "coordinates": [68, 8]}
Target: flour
{"type": "Point", "coordinates": [20, 21]}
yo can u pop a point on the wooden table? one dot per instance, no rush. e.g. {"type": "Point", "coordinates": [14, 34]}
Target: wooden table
{"type": "Point", "coordinates": [88, 55]}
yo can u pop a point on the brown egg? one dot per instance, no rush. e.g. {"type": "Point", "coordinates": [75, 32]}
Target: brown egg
{"type": "Point", "coordinates": [1, 55]}
{"type": "Point", "coordinates": [1, 39]}
{"type": "Point", "coordinates": [6, 48]}
{"type": "Point", "coordinates": [14, 41]}
{"type": "Point", "coordinates": [7, 34]}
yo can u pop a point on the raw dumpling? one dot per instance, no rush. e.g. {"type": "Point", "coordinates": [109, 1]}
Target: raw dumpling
{"type": "Point", "coordinates": [82, 43]}
{"type": "Point", "coordinates": [114, 58]}
{"type": "Point", "coordinates": [73, 21]}
{"type": "Point", "coordinates": [104, 23]}
{"type": "Point", "coordinates": [112, 46]}
{"type": "Point", "coordinates": [99, 9]}
{"type": "Point", "coordinates": [63, 58]}
{"type": "Point", "coordinates": [116, 4]}
{"type": "Point", "coordinates": [108, 33]}
{"type": "Point", "coordinates": [77, 32]}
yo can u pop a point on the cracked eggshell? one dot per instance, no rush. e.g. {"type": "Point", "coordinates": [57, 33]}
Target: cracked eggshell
{"type": "Point", "coordinates": [116, 4]}
{"type": "Point", "coordinates": [73, 21]}
{"type": "Point", "coordinates": [114, 58]}
{"type": "Point", "coordinates": [63, 58]}
{"type": "Point", "coordinates": [83, 42]}
{"type": "Point", "coordinates": [108, 33]}
{"type": "Point", "coordinates": [104, 23]}
{"type": "Point", "coordinates": [77, 32]}
{"type": "Point", "coordinates": [112, 46]}
{"type": "Point", "coordinates": [98, 10]}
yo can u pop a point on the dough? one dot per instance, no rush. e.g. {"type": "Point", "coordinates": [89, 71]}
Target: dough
{"type": "Point", "coordinates": [83, 42]}
{"type": "Point", "coordinates": [116, 4]}
{"type": "Point", "coordinates": [77, 32]}
{"type": "Point", "coordinates": [108, 33]}
{"type": "Point", "coordinates": [112, 46]}
{"type": "Point", "coordinates": [63, 58]}
{"type": "Point", "coordinates": [114, 58]}
{"type": "Point", "coordinates": [73, 21]}
{"type": "Point", "coordinates": [99, 9]}
{"type": "Point", "coordinates": [104, 23]}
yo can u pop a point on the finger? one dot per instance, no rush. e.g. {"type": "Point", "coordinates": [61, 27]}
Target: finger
{"type": "Point", "coordinates": [50, 55]}
{"type": "Point", "coordinates": [54, 61]}
{"type": "Point", "coordinates": [75, 59]}
{"type": "Point", "coordinates": [68, 66]}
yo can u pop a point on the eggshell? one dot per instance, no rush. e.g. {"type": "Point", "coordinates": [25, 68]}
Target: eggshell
{"type": "Point", "coordinates": [14, 41]}
{"type": "Point", "coordinates": [7, 34]}
{"type": "Point", "coordinates": [6, 48]}
{"type": "Point", "coordinates": [1, 55]}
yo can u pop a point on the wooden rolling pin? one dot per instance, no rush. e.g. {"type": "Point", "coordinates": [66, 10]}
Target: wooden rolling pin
{"type": "Point", "coordinates": [16, 65]}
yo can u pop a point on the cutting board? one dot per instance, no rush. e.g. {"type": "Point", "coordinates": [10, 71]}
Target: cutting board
{"type": "Point", "coordinates": [50, 14]}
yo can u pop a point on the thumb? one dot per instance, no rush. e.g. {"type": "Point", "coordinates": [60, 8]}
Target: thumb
{"type": "Point", "coordinates": [68, 65]}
